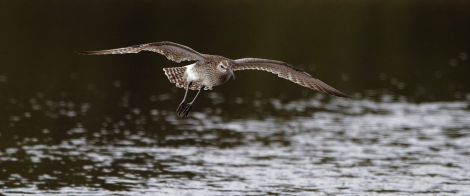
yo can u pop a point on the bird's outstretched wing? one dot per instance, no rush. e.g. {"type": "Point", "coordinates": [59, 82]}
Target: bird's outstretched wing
{"type": "Point", "coordinates": [172, 51]}
{"type": "Point", "coordinates": [288, 72]}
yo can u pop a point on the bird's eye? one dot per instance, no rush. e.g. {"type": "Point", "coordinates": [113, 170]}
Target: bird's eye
{"type": "Point", "coordinates": [222, 66]}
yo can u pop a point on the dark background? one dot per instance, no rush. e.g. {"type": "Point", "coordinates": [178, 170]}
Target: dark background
{"type": "Point", "coordinates": [69, 120]}
{"type": "Point", "coordinates": [414, 49]}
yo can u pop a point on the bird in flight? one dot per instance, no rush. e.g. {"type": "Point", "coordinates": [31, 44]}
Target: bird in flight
{"type": "Point", "coordinates": [208, 70]}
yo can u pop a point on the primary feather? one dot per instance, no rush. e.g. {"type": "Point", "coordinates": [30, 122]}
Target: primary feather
{"type": "Point", "coordinates": [172, 51]}
{"type": "Point", "coordinates": [286, 71]}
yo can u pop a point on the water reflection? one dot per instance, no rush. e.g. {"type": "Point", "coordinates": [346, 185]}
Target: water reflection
{"type": "Point", "coordinates": [74, 125]}
{"type": "Point", "coordinates": [305, 146]}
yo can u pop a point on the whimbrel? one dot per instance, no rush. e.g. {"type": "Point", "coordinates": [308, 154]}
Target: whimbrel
{"type": "Point", "coordinates": [208, 70]}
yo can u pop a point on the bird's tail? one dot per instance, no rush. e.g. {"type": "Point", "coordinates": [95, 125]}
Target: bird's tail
{"type": "Point", "coordinates": [175, 75]}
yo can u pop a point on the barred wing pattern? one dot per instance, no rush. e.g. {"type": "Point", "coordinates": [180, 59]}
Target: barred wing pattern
{"type": "Point", "coordinates": [172, 51]}
{"type": "Point", "coordinates": [288, 72]}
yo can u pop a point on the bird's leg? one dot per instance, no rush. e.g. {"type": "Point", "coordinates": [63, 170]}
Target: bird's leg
{"type": "Point", "coordinates": [188, 105]}
{"type": "Point", "coordinates": [180, 107]}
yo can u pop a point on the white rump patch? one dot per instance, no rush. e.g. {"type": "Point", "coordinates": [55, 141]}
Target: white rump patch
{"type": "Point", "coordinates": [191, 73]}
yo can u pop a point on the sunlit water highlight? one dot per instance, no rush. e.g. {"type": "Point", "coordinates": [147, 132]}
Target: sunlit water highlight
{"type": "Point", "coordinates": [302, 147]}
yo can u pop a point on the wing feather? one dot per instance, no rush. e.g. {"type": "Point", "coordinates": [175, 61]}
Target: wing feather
{"type": "Point", "coordinates": [288, 72]}
{"type": "Point", "coordinates": [172, 51]}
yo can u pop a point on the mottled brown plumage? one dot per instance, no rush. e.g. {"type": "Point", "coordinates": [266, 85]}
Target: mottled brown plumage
{"type": "Point", "coordinates": [212, 70]}
{"type": "Point", "coordinates": [172, 51]}
{"type": "Point", "coordinates": [288, 72]}
{"type": "Point", "coordinates": [210, 75]}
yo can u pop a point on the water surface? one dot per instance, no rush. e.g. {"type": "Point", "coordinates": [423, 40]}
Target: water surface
{"type": "Point", "coordinates": [301, 147]}
{"type": "Point", "coordinates": [101, 125]}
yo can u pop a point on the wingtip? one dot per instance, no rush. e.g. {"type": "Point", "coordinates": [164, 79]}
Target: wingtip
{"type": "Point", "coordinates": [331, 91]}
{"type": "Point", "coordinates": [336, 93]}
{"type": "Point", "coordinates": [85, 52]}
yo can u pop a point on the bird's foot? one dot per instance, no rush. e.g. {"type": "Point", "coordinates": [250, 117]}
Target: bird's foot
{"type": "Point", "coordinates": [180, 108]}
{"type": "Point", "coordinates": [183, 109]}
{"type": "Point", "coordinates": [187, 109]}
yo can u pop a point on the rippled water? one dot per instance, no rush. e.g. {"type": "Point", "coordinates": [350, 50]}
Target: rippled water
{"type": "Point", "coordinates": [106, 125]}
{"type": "Point", "coordinates": [307, 146]}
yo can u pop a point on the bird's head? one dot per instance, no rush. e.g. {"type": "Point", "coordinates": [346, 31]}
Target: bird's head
{"type": "Point", "coordinates": [225, 66]}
